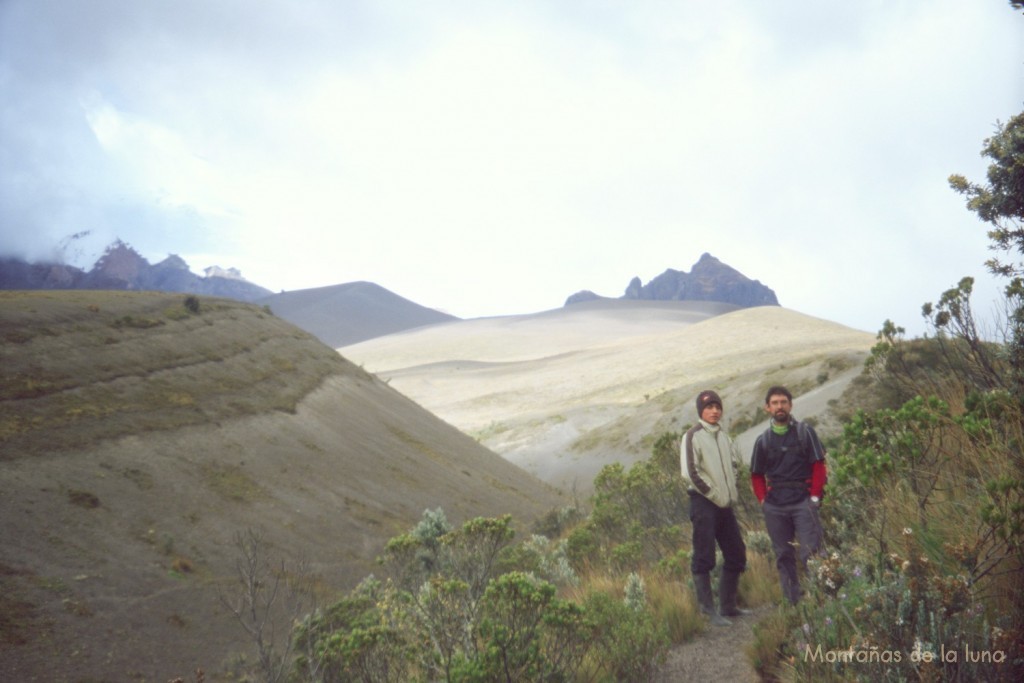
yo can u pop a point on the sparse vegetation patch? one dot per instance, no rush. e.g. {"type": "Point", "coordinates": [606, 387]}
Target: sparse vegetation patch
{"type": "Point", "coordinates": [93, 365]}
{"type": "Point", "coordinates": [83, 499]}
{"type": "Point", "coordinates": [233, 483]}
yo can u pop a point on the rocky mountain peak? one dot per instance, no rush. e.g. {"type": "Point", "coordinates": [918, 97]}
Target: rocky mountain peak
{"type": "Point", "coordinates": [172, 262]}
{"type": "Point", "coordinates": [122, 267]}
{"type": "Point", "coordinates": [709, 279]}
{"type": "Point", "coordinates": [120, 262]}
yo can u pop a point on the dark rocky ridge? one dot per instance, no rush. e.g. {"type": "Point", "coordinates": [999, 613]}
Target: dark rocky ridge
{"type": "Point", "coordinates": [123, 268]}
{"type": "Point", "coordinates": [708, 280]}
{"type": "Point", "coordinates": [337, 315]}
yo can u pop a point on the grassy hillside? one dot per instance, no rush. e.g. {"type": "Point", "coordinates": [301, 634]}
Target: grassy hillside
{"type": "Point", "coordinates": [82, 366]}
{"type": "Point", "coordinates": [140, 435]}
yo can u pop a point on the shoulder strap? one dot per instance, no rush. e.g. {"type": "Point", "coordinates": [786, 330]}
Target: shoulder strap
{"type": "Point", "coordinates": [806, 443]}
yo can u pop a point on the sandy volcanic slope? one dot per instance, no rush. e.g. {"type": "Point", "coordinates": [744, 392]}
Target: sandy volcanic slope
{"type": "Point", "coordinates": [534, 388]}
{"type": "Point", "coordinates": [478, 371]}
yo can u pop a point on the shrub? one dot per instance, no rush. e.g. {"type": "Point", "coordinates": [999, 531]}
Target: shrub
{"type": "Point", "coordinates": [348, 641]}
{"type": "Point", "coordinates": [629, 644]}
{"type": "Point", "coordinates": [527, 634]}
{"type": "Point", "coordinates": [466, 614]}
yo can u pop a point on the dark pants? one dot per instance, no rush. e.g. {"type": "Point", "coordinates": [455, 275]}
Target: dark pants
{"type": "Point", "coordinates": [788, 523]}
{"type": "Point", "coordinates": [712, 524]}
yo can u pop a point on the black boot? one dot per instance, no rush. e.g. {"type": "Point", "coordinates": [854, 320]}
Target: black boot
{"type": "Point", "coordinates": [727, 589]}
{"type": "Point", "coordinates": [706, 600]}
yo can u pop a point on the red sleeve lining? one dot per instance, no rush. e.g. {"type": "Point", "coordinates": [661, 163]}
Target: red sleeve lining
{"type": "Point", "coordinates": [757, 481]}
{"type": "Point", "coordinates": [818, 476]}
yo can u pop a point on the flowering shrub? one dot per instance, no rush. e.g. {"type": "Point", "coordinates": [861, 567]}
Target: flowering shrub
{"type": "Point", "coordinates": [904, 624]}
{"type": "Point", "coordinates": [921, 584]}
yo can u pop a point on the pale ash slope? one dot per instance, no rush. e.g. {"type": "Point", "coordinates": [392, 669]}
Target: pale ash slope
{"type": "Point", "coordinates": [563, 393]}
{"type": "Point", "coordinates": [94, 543]}
{"type": "Point", "coordinates": [117, 538]}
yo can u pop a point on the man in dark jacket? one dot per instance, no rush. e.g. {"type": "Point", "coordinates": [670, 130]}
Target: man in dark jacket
{"type": "Point", "coordinates": [787, 472]}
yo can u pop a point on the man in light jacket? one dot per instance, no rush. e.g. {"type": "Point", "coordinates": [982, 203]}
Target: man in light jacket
{"type": "Point", "coordinates": [708, 459]}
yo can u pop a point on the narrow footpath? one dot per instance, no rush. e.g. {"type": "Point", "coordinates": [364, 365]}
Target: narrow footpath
{"type": "Point", "coordinates": [719, 655]}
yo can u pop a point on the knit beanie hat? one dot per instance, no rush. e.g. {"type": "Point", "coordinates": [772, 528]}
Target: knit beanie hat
{"type": "Point", "coordinates": [705, 398]}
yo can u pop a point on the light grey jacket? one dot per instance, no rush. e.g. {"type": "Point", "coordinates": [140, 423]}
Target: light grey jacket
{"type": "Point", "coordinates": [708, 460]}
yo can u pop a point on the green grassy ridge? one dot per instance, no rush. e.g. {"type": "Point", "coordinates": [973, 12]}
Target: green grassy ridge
{"type": "Point", "coordinates": [83, 366]}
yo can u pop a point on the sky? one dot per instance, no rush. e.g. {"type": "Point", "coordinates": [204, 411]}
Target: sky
{"type": "Point", "coordinates": [493, 158]}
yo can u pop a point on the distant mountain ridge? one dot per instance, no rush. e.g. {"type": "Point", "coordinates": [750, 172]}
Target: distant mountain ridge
{"type": "Point", "coordinates": [708, 280]}
{"type": "Point", "coordinates": [345, 314]}
{"type": "Point", "coordinates": [121, 267]}
{"type": "Point", "coordinates": [337, 315]}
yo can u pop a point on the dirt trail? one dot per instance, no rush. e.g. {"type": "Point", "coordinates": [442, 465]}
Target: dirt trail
{"type": "Point", "coordinates": [718, 655]}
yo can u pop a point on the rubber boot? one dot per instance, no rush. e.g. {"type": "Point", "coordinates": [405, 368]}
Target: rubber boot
{"type": "Point", "coordinates": [791, 591]}
{"type": "Point", "coordinates": [727, 589]}
{"type": "Point", "coordinates": [706, 600]}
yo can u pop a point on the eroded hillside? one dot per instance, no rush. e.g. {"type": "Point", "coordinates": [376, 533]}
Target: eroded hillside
{"type": "Point", "coordinates": [141, 434]}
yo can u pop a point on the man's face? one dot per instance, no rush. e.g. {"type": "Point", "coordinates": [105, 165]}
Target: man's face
{"type": "Point", "coordinates": [712, 413]}
{"type": "Point", "coordinates": [778, 407]}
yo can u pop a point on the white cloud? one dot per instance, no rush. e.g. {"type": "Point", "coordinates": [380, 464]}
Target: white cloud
{"type": "Point", "coordinates": [495, 158]}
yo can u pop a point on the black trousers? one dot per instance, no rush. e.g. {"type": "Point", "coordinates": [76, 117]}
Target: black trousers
{"type": "Point", "coordinates": [711, 525]}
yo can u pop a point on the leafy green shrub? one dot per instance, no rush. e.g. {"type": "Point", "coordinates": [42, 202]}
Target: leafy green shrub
{"type": "Point", "coordinates": [527, 634]}
{"type": "Point", "coordinates": [637, 515]}
{"type": "Point", "coordinates": [558, 521]}
{"type": "Point", "coordinates": [348, 641]}
{"type": "Point", "coordinates": [456, 609]}
{"type": "Point", "coordinates": [629, 644]}
{"type": "Point", "coordinates": [546, 559]}
{"type": "Point", "coordinates": [582, 545]}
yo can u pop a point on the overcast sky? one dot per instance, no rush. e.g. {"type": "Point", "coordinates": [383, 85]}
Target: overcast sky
{"type": "Point", "coordinates": [492, 158]}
